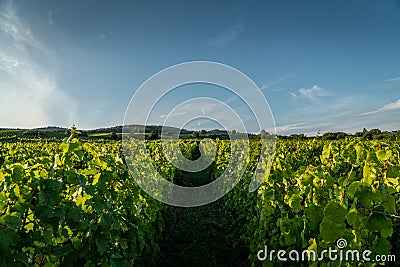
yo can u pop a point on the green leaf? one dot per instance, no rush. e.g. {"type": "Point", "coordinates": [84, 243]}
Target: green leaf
{"type": "Point", "coordinates": [118, 262]}
{"type": "Point", "coordinates": [80, 200]}
{"type": "Point", "coordinates": [365, 197]}
{"type": "Point", "coordinates": [360, 154]}
{"type": "Point", "coordinates": [8, 239]}
{"type": "Point", "coordinates": [331, 231]}
{"type": "Point", "coordinates": [63, 250]}
{"type": "Point", "coordinates": [326, 152]}
{"type": "Point", "coordinates": [368, 175]}
{"type": "Point", "coordinates": [349, 155]}
{"type": "Point", "coordinates": [75, 146]}
{"type": "Point", "coordinates": [18, 172]}
{"type": "Point", "coordinates": [79, 154]}
{"type": "Point", "coordinates": [378, 196]}
{"type": "Point", "coordinates": [390, 204]}
{"type": "Point", "coordinates": [352, 189]}
{"type": "Point", "coordinates": [72, 179]}
{"type": "Point", "coordinates": [75, 215]}
{"type": "Point", "coordinates": [381, 246]}
{"type": "Point", "coordinates": [335, 211]}
{"type": "Point", "coordinates": [313, 245]}
{"type": "Point", "coordinates": [64, 147]}
{"type": "Point", "coordinates": [16, 191]}
{"type": "Point", "coordinates": [387, 232]}
{"type": "Point", "coordinates": [96, 178]}
{"type": "Point", "coordinates": [48, 235]}
{"type": "Point", "coordinates": [314, 214]}
{"type": "Point", "coordinates": [378, 222]}
{"type": "Point", "coordinates": [383, 155]}
{"type": "Point", "coordinates": [393, 172]}
{"type": "Point", "coordinates": [295, 202]}
{"type": "Point", "coordinates": [90, 264]}
{"type": "Point", "coordinates": [12, 221]}
{"type": "Point", "coordinates": [124, 243]}
{"type": "Point", "coordinates": [354, 218]}
{"type": "Point", "coordinates": [76, 242]}
{"type": "Point", "coordinates": [52, 184]}
{"type": "Point", "coordinates": [101, 245]}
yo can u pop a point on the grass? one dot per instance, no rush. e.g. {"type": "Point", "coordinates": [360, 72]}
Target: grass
{"type": "Point", "coordinates": [197, 236]}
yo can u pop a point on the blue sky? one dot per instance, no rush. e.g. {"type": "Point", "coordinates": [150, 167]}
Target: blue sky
{"type": "Point", "coordinates": [329, 66]}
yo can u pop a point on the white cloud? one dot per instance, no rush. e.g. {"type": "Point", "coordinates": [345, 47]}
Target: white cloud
{"type": "Point", "coordinates": [314, 93]}
{"type": "Point", "coordinates": [289, 127]}
{"type": "Point", "coordinates": [96, 37]}
{"type": "Point", "coordinates": [173, 114]}
{"type": "Point", "coordinates": [231, 99]}
{"type": "Point", "coordinates": [280, 89]}
{"type": "Point", "coordinates": [388, 107]}
{"type": "Point", "coordinates": [265, 86]}
{"type": "Point", "coordinates": [344, 121]}
{"type": "Point", "coordinates": [203, 107]}
{"type": "Point", "coordinates": [395, 79]}
{"type": "Point", "coordinates": [340, 113]}
{"type": "Point", "coordinates": [22, 36]}
{"type": "Point", "coordinates": [50, 19]}
{"type": "Point", "coordinates": [279, 80]}
{"type": "Point", "coordinates": [29, 94]}
{"type": "Point", "coordinates": [386, 84]}
{"type": "Point", "coordinates": [228, 35]}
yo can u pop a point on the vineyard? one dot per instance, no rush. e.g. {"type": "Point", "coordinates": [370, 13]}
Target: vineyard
{"type": "Point", "coordinates": [75, 203]}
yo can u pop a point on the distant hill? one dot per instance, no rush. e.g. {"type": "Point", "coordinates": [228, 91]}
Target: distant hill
{"type": "Point", "coordinates": [135, 128]}
{"type": "Point", "coordinates": [115, 133]}
{"type": "Point", "coordinates": [50, 129]}
{"type": "Point", "coordinates": [217, 131]}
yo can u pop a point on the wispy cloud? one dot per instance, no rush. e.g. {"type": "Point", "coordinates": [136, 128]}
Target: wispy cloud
{"type": "Point", "coordinates": [172, 114]}
{"type": "Point", "coordinates": [314, 93]}
{"type": "Point", "coordinates": [348, 121]}
{"type": "Point", "coordinates": [12, 27]}
{"type": "Point", "coordinates": [29, 94]}
{"type": "Point", "coordinates": [313, 126]}
{"type": "Point", "coordinates": [395, 79]}
{"type": "Point", "coordinates": [279, 80]}
{"type": "Point", "coordinates": [229, 34]}
{"type": "Point", "coordinates": [290, 127]}
{"type": "Point", "coordinates": [50, 19]}
{"type": "Point", "coordinates": [338, 114]}
{"type": "Point", "coordinates": [96, 37]}
{"type": "Point", "coordinates": [388, 107]}
{"type": "Point", "coordinates": [386, 84]}
{"type": "Point", "coordinates": [231, 99]}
